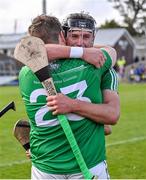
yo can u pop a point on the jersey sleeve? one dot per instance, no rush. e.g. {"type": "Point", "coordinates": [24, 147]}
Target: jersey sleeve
{"type": "Point", "coordinates": [110, 80]}
{"type": "Point", "coordinates": [108, 62]}
{"type": "Point", "coordinates": [25, 81]}
{"type": "Point", "coordinates": [22, 80]}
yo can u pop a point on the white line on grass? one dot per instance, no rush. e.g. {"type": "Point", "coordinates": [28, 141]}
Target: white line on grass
{"type": "Point", "coordinates": [108, 145]}
{"type": "Point", "coordinates": [127, 141]}
{"type": "Point", "coordinates": [14, 163]}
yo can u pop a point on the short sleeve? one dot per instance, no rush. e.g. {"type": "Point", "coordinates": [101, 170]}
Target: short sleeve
{"type": "Point", "coordinates": [110, 80]}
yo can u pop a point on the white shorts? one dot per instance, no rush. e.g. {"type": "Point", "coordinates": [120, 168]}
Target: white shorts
{"type": "Point", "coordinates": [99, 170]}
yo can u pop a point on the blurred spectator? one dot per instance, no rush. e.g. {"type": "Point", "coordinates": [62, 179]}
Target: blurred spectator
{"type": "Point", "coordinates": [143, 58]}
{"type": "Point", "coordinates": [121, 66]}
{"type": "Point", "coordinates": [137, 74]}
{"type": "Point", "coordinates": [131, 74]}
{"type": "Point", "coordinates": [136, 59]}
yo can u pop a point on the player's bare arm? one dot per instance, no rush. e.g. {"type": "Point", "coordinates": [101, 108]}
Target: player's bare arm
{"type": "Point", "coordinates": [92, 55]}
{"type": "Point", "coordinates": [106, 113]}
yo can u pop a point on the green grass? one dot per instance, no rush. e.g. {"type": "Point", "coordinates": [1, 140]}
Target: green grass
{"type": "Point", "coordinates": [10, 150]}
{"type": "Point", "coordinates": [125, 160]}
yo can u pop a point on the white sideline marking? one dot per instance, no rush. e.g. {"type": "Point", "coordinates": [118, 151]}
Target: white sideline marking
{"type": "Point", "coordinates": [14, 163]}
{"type": "Point", "coordinates": [108, 145]}
{"type": "Point", "coordinates": [127, 141]}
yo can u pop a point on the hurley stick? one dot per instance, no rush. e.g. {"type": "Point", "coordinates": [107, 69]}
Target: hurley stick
{"type": "Point", "coordinates": [31, 52]}
{"type": "Point", "coordinates": [11, 105]}
{"type": "Point", "coordinates": [21, 132]}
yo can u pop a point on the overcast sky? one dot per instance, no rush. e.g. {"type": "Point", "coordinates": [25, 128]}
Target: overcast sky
{"type": "Point", "coordinates": [25, 10]}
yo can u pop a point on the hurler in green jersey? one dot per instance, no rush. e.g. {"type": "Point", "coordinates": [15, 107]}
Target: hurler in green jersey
{"type": "Point", "coordinates": [50, 150]}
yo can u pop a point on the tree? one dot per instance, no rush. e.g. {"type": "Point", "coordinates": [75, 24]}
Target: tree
{"type": "Point", "coordinates": [134, 14]}
{"type": "Point", "coordinates": [110, 24]}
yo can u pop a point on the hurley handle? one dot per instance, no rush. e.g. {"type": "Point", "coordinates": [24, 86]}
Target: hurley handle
{"type": "Point", "coordinates": [49, 86]}
{"type": "Point", "coordinates": [11, 105]}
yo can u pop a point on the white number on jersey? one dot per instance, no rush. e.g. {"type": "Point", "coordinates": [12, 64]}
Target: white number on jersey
{"type": "Point", "coordinates": [80, 87]}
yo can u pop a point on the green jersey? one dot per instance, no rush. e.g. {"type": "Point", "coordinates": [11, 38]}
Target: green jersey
{"type": "Point", "coordinates": [50, 150]}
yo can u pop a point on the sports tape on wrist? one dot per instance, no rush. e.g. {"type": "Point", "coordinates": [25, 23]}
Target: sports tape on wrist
{"type": "Point", "coordinates": [76, 52]}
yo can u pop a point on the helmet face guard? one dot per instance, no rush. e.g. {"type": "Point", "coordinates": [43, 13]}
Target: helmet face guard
{"type": "Point", "coordinates": [85, 24]}
{"type": "Point", "coordinates": [81, 23]}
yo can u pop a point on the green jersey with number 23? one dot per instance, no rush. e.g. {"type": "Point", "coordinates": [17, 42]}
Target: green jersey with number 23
{"type": "Point", "coordinates": [50, 150]}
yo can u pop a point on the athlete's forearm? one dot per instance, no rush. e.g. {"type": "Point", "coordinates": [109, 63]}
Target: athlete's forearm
{"type": "Point", "coordinates": [56, 51]}
{"type": "Point", "coordinates": [106, 113]}
{"type": "Point", "coordinates": [100, 113]}
{"type": "Point", "coordinates": [91, 55]}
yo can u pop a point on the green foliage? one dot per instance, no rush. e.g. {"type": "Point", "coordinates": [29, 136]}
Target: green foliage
{"type": "Point", "coordinates": [133, 13]}
{"type": "Point", "coordinates": [110, 24]}
{"type": "Point", "coordinates": [125, 147]}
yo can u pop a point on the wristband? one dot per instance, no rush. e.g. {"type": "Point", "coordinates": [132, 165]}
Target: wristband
{"type": "Point", "coordinates": [76, 52]}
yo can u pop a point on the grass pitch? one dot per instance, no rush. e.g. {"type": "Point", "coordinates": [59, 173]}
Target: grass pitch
{"type": "Point", "coordinates": [126, 146]}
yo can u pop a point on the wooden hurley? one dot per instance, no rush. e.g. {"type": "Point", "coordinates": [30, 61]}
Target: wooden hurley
{"type": "Point", "coordinates": [31, 52]}
{"type": "Point", "coordinates": [21, 132]}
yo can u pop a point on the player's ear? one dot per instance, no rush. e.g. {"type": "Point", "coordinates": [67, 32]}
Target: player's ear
{"type": "Point", "coordinates": [62, 38]}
